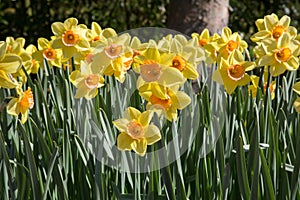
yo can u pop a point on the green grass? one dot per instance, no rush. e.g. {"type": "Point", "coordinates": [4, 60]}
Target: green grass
{"type": "Point", "coordinates": [255, 155]}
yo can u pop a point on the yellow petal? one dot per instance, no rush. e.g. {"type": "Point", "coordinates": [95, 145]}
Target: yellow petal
{"type": "Point", "coordinates": [145, 117]}
{"type": "Point", "coordinates": [83, 45]}
{"type": "Point", "coordinates": [43, 43]}
{"type": "Point", "coordinates": [181, 100]}
{"type": "Point", "coordinates": [296, 87]}
{"type": "Point", "coordinates": [121, 124]}
{"type": "Point", "coordinates": [260, 36]}
{"type": "Point", "coordinates": [152, 134]}
{"type": "Point", "coordinates": [58, 28]}
{"type": "Point", "coordinates": [12, 107]}
{"type": "Point", "coordinates": [292, 64]}
{"type": "Point", "coordinates": [10, 63]}
{"type": "Point", "coordinates": [284, 40]}
{"type": "Point", "coordinates": [190, 72]}
{"type": "Point", "coordinates": [285, 21]}
{"type": "Point", "coordinates": [140, 146]}
{"type": "Point", "coordinates": [24, 116]}
{"type": "Point", "coordinates": [124, 142]}
{"type": "Point", "coordinates": [70, 23]}
{"type": "Point", "coordinates": [217, 77]}
{"type": "Point", "coordinates": [297, 104]}
{"type": "Point", "coordinates": [108, 32]}
{"type": "Point", "coordinates": [131, 113]}
{"type": "Point", "coordinates": [2, 49]}
{"type": "Point", "coordinates": [96, 27]}
{"type": "Point", "coordinates": [171, 76]}
{"type": "Point", "coordinates": [7, 81]}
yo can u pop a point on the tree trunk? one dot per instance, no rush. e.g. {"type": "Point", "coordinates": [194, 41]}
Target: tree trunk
{"type": "Point", "coordinates": [188, 16]}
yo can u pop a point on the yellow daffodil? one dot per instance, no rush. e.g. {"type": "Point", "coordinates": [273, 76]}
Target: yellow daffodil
{"type": "Point", "coordinates": [48, 53]}
{"type": "Point", "coordinates": [174, 100]}
{"type": "Point", "coordinates": [70, 37]}
{"type": "Point", "coordinates": [21, 104]}
{"type": "Point", "coordinates": [206, 42]}
{"type": "Point", "coordinates": [16, 46]}
{"type": "Point", "coordinates": [97, 35]}
{"type": "Point", "coordinates": [87, 80]}
{"type": "Point", "coordinates": [252, 89]}
{"type": "Point", "coordinates": [297, 104]}
{"type": "Point", "coordinates": [228, 42]}
{"type": "Point", "coordinates": [280, 55]}
{"type": "Point", "coordinates": [232, 72]}
{"type": "Point", "coordinates": [156, 73]}
{"type": "Point", "coordinates": [272, 27]}
{"type": "Point", "coordinates": [296, 88]}
{"type": "Point", "coordinates": [188, 54]}
{"type": "Point", "coordinates": [136, 132]}
{"type": "Point", "coordinates": [9, 64]}
{"type": "Point", "coordinates": [35, 65]}
{"type": "Point", "coordinates": [114, 56]}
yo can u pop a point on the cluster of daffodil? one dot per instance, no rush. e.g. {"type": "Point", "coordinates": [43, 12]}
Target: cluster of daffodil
{"type": "Point", "coordinates": [162, 67]}
{"type": "Point", "coordinates": [277, 50]}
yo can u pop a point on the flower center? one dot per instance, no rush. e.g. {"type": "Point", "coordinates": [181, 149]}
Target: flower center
{"type": "Point", "coordinates": [203, 42]}
{"type": "Point", "coordinates": [135, 129]}
{"type": "Point", "coordinates": [91, 81]}
{"type": "Point", "coordinates": [236, 72]}
{"type": "Point", "coordinates": [283, 55]}
{"type": "Point", "coordinates": [178, 63]}
{"type": "Point", "coordinates": [277, 31]}
{"type": "Point", "coordinates": [69, 38]}
{"type": "Point", "coordinates": [160, 103]}
{"type": "Point", "coordinates": [150, 71]}
{"type": "Point", "coordinates": [231, 45]}
{"type": "Point", "coordinates": [49, 54]}
{"type": "Point", "coordinates": [97, 38]}
{"type": "Point", "coordinates": [113, 50]}
{"type": "Point", "coordinates": [27, 100]}
{"type": "Point", "coordinates": [89, 57]}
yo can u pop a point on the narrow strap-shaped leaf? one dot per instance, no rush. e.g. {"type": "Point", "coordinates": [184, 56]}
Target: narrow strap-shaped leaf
{"type": "Point", "coordinates": [32, 166]}
{"type": "Point", "coordinates": [242, 170]}
{"type": "Point", "coordinates": [267, 177]}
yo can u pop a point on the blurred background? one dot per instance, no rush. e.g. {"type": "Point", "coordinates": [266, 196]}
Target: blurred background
{"type": "Point", "coordinates": [32, 19]}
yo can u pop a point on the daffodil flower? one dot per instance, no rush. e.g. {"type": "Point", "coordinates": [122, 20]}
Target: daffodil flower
{"type": "Point", "coordinates": [9, 64]}
{"type": "Point", "coordinates": [34, 65]}
{"type": "Point", "coordinates": [87, 80]}
{"type": "Point", "coordinates": [228, 42]}
{"type": "Point", "coordinates": [136, 132]}
{"type": "Point", "coordinates": [188, 54]}
{"type": "Point", "coordinates": [97, 35]}
{"type": "Point", "coordinates": [206, 42]}
{"type": "Point", "coordinates": [280, 55]}
{"type": "Point", "coordinates": [232, 72]}
{"type": "Point", "coordinates": [272, 27]}
{"type": "Point", "coordinates": [172, 100]}
{"type": "Point", "coordinates": [70, 37]}
{"type": "Point", "coordinates": [156, 73]}
{"type": "Point", "coordinates": [253, 88]}
{"type": "Point", "coordinates": [21, 104]}
{"type": "Point", "coordinates": [114, 56]}
{"type": "Point", "coordinates": [48, 53]}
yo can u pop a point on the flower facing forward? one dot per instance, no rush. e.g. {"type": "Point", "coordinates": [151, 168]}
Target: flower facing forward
{"type": "Point", "coordinates": [187, 54]}
{"type": "Point", "coordinates": [70, 37]}
{"type": "Point", "coordinates": [87, 80]}
{"type": "Point", "coordinates": [280, 55]}
{"type": "Point", "coordinates": [228, 42]}
{"type": "Point", "coordinates": [47, 52]}
{"type": "Point", "coordinates": [21, 104]}
{"type": "Point", "coordinates": [232, 72]}
{"type": "Point", "coordinates": [272, 27]}
{"type": "Point", "coordinates": [136, 132]}
{"type": "Point", "coordinates": [155, 72]}
{"type": "Point", "coordinates": [114, 56]}
{"type": "Point", "coordinates": [9, 64]}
